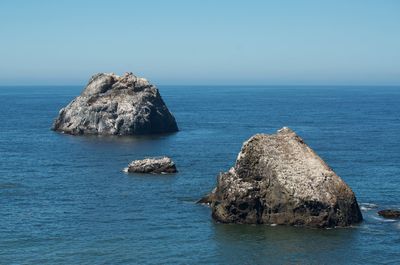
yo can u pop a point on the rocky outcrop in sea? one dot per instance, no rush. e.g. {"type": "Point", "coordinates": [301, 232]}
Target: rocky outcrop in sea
{"type": "Point", "coordinates": [116, 105]}
{"type": "Point", "coordinates": [162, 165]}
{"type": "Point", "coordinates": [389, 213]}
{"type": "Point", "coordinates": [278, 179]}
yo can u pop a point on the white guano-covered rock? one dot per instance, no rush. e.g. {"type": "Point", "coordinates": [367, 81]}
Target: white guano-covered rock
{"type": "Point", "coordinates": [116, 105]}
{"type": "Point", "coordinates": [161, 165]}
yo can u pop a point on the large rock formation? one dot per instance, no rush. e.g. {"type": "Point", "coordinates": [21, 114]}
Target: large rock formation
{"type": "Point", "coordinates": [278, 179]}
{"type": "Point", "coordinates": [162, 165]}
{"type": "Point", "coordinates": [116, 105]}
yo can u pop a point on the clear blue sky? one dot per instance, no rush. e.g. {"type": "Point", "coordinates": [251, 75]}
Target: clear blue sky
{"type": "Point", "coordinates": [201, 42]}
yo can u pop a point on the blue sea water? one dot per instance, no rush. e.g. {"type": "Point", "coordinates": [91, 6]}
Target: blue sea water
{"type": "Point", "coordinates": [65, 199]}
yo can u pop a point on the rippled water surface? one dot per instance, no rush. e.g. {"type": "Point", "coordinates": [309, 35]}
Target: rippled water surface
{"type": "Point", "coordinates": [65, 199]}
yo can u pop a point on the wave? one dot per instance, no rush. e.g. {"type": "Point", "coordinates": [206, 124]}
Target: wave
{"type": "Point", "coordinates": [367, 206]}
{"type": "Point", "coordinates": [383, 219]}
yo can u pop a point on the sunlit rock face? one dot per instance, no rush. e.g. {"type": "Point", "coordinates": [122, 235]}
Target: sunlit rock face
{"type": "Point", "coordinates": [116, 105]}
{"type": "Point", "coordinates": [278, 179]}
{"type": "Point", "coordinates": [152, 165]}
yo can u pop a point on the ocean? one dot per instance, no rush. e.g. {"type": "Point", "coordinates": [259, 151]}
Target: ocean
{"type": "Point", "coordinates": [65, 200]}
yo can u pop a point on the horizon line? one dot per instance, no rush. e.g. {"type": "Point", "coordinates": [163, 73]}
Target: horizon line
{"type": "Point", "coordinates": [219, 85]}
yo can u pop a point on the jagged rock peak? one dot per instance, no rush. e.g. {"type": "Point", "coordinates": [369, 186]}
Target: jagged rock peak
{"type": "Point", "coordinates": [102, 82]}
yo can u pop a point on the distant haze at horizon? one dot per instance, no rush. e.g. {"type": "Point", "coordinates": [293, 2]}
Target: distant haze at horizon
{"type": "Point", "coordinates": [202, 43]}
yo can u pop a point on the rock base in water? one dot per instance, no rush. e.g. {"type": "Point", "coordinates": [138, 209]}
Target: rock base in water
{"type": "Point", "coordinates": [163, 165]}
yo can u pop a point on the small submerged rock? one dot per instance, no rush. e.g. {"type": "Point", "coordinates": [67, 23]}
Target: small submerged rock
{"type": "Point", "coordinates": [116, 105]}
{"type": "Point", "coordinates": [163, 165]}
{"type": "Point", "coordinates": [278, 179]}
{"type": "Point", "coordinates": [389, 213]}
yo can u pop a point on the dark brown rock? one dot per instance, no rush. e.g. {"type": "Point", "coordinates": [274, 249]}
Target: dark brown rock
{"type": "Point", "coordinates": [278, 179]}
{"type": "Point", "coordinates": [389, 213]}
